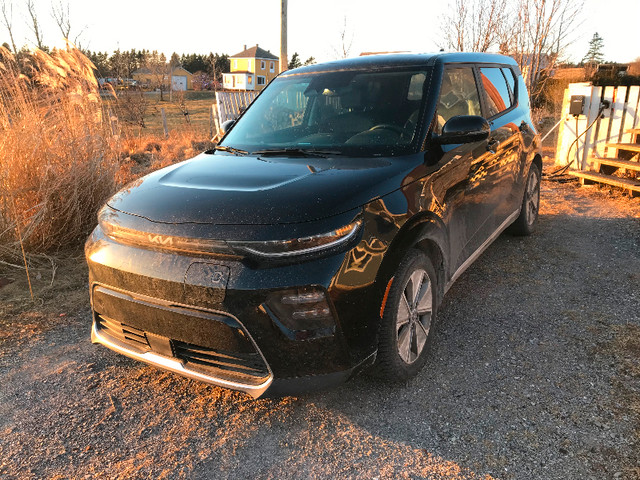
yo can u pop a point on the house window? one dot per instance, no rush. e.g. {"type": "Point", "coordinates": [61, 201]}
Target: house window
{"type": "Point", "coordinates": [263, 64]}
{"type": "Point", "coordinates": [262, 80]}
{"type": "Point", "coordinates": [271, 67]}
{"type": "Point", "coordinates": [250, 79]}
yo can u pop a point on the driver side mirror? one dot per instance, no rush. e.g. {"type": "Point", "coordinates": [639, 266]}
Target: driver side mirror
{"type": "Point", "coordinates": [464, 129]}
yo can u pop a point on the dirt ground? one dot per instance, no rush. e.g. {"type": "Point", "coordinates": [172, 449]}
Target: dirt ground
{"type": "Point", "coordinates": [534, 374]}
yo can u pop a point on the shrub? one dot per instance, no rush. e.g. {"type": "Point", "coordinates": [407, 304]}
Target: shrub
{"type": "Point", "coordinates": [58, 156]}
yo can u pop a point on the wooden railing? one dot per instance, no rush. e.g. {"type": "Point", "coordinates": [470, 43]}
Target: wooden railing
{"type": "Point", "coordinates": [602, 144]}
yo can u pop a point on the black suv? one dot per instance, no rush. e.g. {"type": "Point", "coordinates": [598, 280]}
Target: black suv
{"type": "Point", "coordinates": [319, 237]}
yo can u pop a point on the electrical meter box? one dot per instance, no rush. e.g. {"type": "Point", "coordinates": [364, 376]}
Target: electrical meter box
{"type": "Point", "coordinates": [576, 106]}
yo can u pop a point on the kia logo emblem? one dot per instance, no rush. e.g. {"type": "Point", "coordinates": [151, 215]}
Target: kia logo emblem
{"type": "Point", "coordinates": [160, 240]}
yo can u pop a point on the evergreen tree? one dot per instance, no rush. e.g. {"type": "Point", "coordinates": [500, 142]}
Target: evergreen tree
{"type": "Point", "coordinates": [295, 61]}
{"type": "Point", "coordinates": [594, 55]}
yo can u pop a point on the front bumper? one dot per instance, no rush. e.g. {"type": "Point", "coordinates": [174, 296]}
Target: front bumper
{"type": "Point", "coordinates": [149, 306]}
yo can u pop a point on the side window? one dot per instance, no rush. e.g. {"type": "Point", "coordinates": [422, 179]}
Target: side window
{"type": "Point", "coordinates": [511, 81]}
{"type": "Point", "coordinates": [496, 89]}
{"type": "Point", "coordinates": [458, 95]}
{"type": "Point", "coordinates": [415, 86]}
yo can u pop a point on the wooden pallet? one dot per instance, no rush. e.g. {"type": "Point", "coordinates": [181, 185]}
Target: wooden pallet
{"type": "Point", "coordinates": [626, 183]}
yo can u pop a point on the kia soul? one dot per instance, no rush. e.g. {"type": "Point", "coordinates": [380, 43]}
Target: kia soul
{"type": "Point", "coordinates": [320, 235]}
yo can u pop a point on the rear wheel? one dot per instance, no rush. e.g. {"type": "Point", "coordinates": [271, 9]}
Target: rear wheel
{"type": "Point", "coordinates": [526, 222]}
{"type": "Point", "coordinates": [408, 318]}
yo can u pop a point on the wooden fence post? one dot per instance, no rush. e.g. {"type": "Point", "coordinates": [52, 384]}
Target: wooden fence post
{"type": "Point", "coordinates": [164, 123]}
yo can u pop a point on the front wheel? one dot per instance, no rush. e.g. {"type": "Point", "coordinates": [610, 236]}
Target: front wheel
{"type": "Point", "coordinates": [525, 224]}
{"type": "Point", "coordinates": [408, 318]}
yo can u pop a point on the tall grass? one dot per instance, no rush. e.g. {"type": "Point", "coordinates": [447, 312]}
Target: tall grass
{"type": "Point", "coordinates": [58, 156]}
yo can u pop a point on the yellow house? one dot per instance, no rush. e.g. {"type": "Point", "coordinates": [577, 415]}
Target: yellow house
{"type": "Point", "coordinates": [251, 69]}
{"type": "Point", "coordinates": [181, 79]}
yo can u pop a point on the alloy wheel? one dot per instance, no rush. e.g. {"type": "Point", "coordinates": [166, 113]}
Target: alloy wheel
{"type": "Point", "coordinates": [532, 200]}
{"type": "Point", "coordinates": [413, 319]}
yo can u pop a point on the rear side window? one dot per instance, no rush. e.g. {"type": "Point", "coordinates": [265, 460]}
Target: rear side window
{"type": "Point", "coordinates": [496, 89]}
{"type": "Point", "coordinates": [511, 81]}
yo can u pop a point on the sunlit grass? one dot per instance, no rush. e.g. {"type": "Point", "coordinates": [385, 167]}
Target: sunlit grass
{"type": "Point", "coordinates": [64, 148]}
{"type": "Point", "coordinates": [57, 154]}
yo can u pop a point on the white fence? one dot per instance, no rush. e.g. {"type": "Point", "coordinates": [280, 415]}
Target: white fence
{"type": "Point", "coordinates": [231, 102]}
{"type": "Point", "coordinates": [614, 126]}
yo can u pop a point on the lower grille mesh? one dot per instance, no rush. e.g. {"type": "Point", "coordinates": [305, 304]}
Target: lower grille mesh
{"type": "Point", "coordinates": [125, 333]}
{"type": "Point", "coordinates": [247, 368]}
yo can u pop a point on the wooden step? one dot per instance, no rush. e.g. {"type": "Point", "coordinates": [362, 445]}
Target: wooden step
{"type": "Point", "coordinates": [616, 162]}
{"type": "Point", "coordinates": [625, 183]}
{"type": "Point", "coordinates": [630, 147]}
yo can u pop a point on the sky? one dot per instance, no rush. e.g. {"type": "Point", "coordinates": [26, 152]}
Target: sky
{"type": "Point", "coordinates": [197, 26]}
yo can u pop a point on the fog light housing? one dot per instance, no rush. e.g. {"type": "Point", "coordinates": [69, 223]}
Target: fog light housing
{"type": "Point", "coordinates": [301, 313]}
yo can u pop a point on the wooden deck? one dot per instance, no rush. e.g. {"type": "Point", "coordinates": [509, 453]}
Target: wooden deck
{"type": "Point", "coordinates": [626, 183]}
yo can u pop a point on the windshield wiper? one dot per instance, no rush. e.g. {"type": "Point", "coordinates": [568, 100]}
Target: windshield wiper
{"type": "Point", "coordinates": [297, 152]}
{"type": "Point", "coordinates": [235, 151]}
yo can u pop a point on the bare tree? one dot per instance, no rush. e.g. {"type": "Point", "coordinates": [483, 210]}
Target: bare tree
{"type": "Point", "coordinates": [7, 21]}
{"type": "Point", "coordinates": [346, 41]}
{"type": "Point", "coordinates": [474, 25]}
{"type": "Point", "coordinates": [534, 32]}
{"type": "Point", "coordinates": [35, 25]}
{"type": "Point", "coordinates": [62, 16]}
{"type": "Point", "coordinates": [159, 69]}
{"type": "Point", "coordinates": [540, 33]}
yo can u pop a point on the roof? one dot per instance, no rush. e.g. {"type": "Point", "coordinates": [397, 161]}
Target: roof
{"type": "Point", "coordinates": [255, 52]}
{"type": "Point", "coordinates": [401, 60]}
{"type": "Point", "coordinates": [147, 71]}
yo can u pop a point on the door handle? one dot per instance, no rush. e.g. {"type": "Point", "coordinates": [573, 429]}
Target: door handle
{"type": "Point", "coordinates": [492, 145]}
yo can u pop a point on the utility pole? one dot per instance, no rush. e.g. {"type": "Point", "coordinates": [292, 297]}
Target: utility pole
{"type": "Point", "coordinates": [283, 37]}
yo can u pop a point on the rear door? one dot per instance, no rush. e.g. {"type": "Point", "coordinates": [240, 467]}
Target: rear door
{"type": "Point", "coordinates": [504, 144]}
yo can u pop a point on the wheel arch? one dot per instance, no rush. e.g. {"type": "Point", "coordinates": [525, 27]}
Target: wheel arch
{"type": "Point", "coordinates": [425, 232]}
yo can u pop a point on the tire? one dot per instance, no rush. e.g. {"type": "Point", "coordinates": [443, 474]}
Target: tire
{"type": "Point", "coordinates": [526, 222]}
{"type": "Point", "coordinates": [407, 322]}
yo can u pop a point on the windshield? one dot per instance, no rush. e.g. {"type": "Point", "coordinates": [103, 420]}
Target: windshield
{"type": "Point", "coordinates": [352, 113]}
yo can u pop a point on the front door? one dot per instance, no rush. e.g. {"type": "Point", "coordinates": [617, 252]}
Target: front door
{"type": "Point", "coordinates": [468, 194]}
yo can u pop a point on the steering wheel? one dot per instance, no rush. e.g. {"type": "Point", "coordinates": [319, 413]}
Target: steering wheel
{"type": "Point", "coordinates": [387, 126]}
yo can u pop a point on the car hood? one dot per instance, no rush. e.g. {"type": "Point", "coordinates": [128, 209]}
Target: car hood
{"type": "Point", "coordinates": [239, 190]}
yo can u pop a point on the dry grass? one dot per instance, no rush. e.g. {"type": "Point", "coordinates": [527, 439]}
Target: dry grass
{"type": "Point", "coordinates": [63, 152]}
{"type": "Point", "coordinates": [141, 112]}
{"type": "Point", "coordinates": [57, 156]}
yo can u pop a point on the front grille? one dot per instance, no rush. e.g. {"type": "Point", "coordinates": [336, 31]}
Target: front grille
{"type": "Point", "coordinates": [245, 367]}
{"type": "Point", "coordinates": [127, 334]}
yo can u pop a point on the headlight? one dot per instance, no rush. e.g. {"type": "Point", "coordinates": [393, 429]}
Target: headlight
{"type": "Point", "coordinates": [107, 218]}
{"type": "Point", "coordinates": [300, 246]}
{"type": "Point", "coordinates": [276, 249]}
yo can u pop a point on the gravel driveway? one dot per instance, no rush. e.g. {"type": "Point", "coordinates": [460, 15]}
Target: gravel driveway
{"type": "Point", "coordinates": [525, 381]}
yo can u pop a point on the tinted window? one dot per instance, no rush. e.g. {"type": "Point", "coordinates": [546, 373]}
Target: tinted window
{"type": "Point", "coordinates": [511, 81]}
{"type": "Point", "coordinates": [354, 112]}
{"type": "Point", "coordinates": [458, 95]}
{"type": "Point", "coordinates": [497, 92]}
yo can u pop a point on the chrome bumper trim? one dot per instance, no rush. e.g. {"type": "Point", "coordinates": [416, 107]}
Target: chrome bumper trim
{"type": "Point", "coordinates": [174, 365]}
